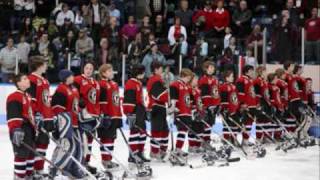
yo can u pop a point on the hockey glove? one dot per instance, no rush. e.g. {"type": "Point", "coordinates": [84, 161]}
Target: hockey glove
{"type": "Point", "coordinates": [105, 121]}
{"type": "Point", "coordinates": [131, 120]}
{"type": "Point", "coordinates": [49, 125]}
{"type": "Point", "coordinates": [17, 136]}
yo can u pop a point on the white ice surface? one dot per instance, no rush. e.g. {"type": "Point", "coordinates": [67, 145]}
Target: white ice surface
{"type": "Point", "coordinates": [297, 164]}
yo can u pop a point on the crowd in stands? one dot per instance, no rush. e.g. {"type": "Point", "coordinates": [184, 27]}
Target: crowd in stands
{"type": "Point", "coordinates": [105, 31]}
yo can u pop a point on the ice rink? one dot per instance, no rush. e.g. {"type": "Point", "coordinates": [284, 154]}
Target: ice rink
{"type": "Point", "coordinates": [297, 164]}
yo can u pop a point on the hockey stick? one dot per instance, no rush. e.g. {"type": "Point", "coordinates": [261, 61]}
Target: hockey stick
{"type": "Point", "coordinates": [208, 145]}
{"type": "Point", "coordinates": [126, 170]}
{"type": "Point", "coordinates": [70, 155]}
{"type": "Point", "coordinates": [315, 116]}
{"type": "Point", "coordinates": [47, 160]}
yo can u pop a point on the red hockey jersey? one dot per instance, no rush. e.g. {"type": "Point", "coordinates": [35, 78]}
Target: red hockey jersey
{"type": "Point", "coordinates": [89, 90]}
{"type": "Point", "coordinates": [180, 91]}
{"type": "Point", "coordinates": [275, 97]}
{"type": "Point", "coordinates": [40, 93]}
{"type": "Point", "coordinates": [283, 86]}
{"type": "Point", "coordinates": [133, 96]}
{"type": "Point", "coordinates": [157, 92]}
{"type": "Point", "coordinates": [302, 84]}
{"type": "Point", "coordinates": [293, 87]}
{"type": "Point", "coordinates": [246, 92]}
{"type": "Point", "coordinates": [110, 99]}
{"type": "Point", "coordinates": [66, 99]}
{"type": "Point", "coordinates": [261, 87]}
{"type": "Point", "coordinates": [229, 97]}
{"type": "Point", "coordinates": [19, 110]}
{"type": "Point", "coordinates": [209, 87]}
{"type": "Point", "coordinates": [196, 99]}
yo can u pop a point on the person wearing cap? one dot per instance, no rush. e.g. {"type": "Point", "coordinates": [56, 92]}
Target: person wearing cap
{"type": "Point", "coordinates": [65, 105]}
{"type": "Point", "coordinates": [158, 98]}
{"type": "Point", "coordinates": [153, 55]}
{"type": "Point", "coordinates": [135, 110]}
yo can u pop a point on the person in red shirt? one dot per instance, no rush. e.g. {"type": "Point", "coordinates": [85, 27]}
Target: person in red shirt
{"type": "Point", "coordinates": [221, 19]}
{"type": "Point", "coordinates": [158, 98]}
{"type": "Point", "coordinates": [230, 106]}
{"type": "Point", "coordinates": [111, 114]}
{"type": "Point", "coordinates": [135, 110]}
{"type": "Point", "coordinates": [275, 99]}
{"type": "Point", "coordinates": [207, 14]}
{"type": "Point", "coordinates": [302, 83]}
{"type": "Point", "coordinates": [296, 107]}
{"type": "Point", "coordinates": [197, 116]}
{"type": "Point", "coordinates": [89, 90]}
{"type": "Point", "coordinates": [41, 106]}
{"type": "Point", "coordinates": [181, 104]}
{"type": "Point", "coordinates": [22, 127]}
{"type": "Point", "coordinates": [312, 31]}
{"type": "Point", "coordinates": [65, 106]}
{"type": "Point", "coordinates": [209, 87]}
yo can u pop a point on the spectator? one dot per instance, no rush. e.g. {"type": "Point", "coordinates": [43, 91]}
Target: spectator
{"type": "Point", "coordinates": [180, 47]}
{"type": "Point", "coordinates": [312, 30]}
{"type": "Point", "coordinates": [153, 55]}
{"type": "Point", "coordinates": [226, 62]}
{"type": "Point", "coordinates": [65, 13]}
{"type": "Point", "coordinates": [221, 20]}
{"type": "Point", "coordinates": [111, 32]}
{"type": "Point", "coordinates": [185, 14]}
{"type": "Point", "coordinates": [242, 20]}
{"type": "Point", "coordinates": [67, 26]}
{"type": "Point", "coordinates": [129, 31]}
{"type": "Point", "coordinates": [205, 15]}
{"type": "Point", "coordinates": [53, 30]}
{"type": "Point", "coordinates": [227, 37]}
{"type": "Point", "coordinates": [27, 29]}
{"type": "Point", "coordinates": [84, 44]}
{"type": "Point", "coordinates": [8, 58]}
{"type": "Point", "coordinates": [284, 41]}
{"type": "Point", "coordinates": [156, 7]}
{"type": "Point", "coordinates": [79, 21]}
{"type": "Point", "coordinates": [44, 43]}
{"type": "Point", "coordinates": [135, 52]}
{"type": "Point", "coordinates": [103, 52]}
{"type": "Point", "coordinates": [250, 59]}
{"type": "Point", "coordinates": [98, 16]}
{"type": "Point", "coordinates": [44, 8]}
{"type": "Point", "coordinates": [256, 37]}
{"type": "Point", "coordinates": [293, 12]}
{"type": "Point", "coordinates": [114, 12]}
{"type": "Point", "coordinates": [234, 47]}
{"type": "Point", "coordinates": [160, 28]}
{"type": "Point", "coordinates": [69, 42]}
{"type": "Point", "coordinates": [145, 30]}
{"type": "Point", "coordinates": [175, 32]}
{"type": "Point", "coordinates": [23, 50]}
{"type": "Point", "coordinates": [22, 9]}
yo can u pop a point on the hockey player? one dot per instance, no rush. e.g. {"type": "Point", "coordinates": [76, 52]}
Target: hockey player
{"type": "Point", "coordinates": [309, 94]}
{"type": "Point", "coordinates": [158, 98]}
{"type": "Point", "coordinates": [39, 91]}
{"type": "Point", "coordinates": [65, 105]}
{"type": "Point", "coordinates": [181, 105]}
{"type": "Point", "coordinates": [89, 90]}
{"type": "Point", "coordinates": [230, 105]}
{"type": "Point", "coordinates": [111, 118]}
{"type": "Point", "coordinates": [209, 87]}
{"type": "Point", "coordinates": [275, 99]}
{"type": "Point", "coordinates": [197, 116]}
{"type": "Point", "coordinates": [22, 127]}
{"type": "Point", "coordinates": [302, 83]}
{"type": "Point", "coordinates": [135, 110]}
{"type": "Point", "coordinates": [263, 100]}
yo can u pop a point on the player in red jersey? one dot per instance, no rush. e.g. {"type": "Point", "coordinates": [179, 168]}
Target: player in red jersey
{"type": "Point", "coordinates": [111, 114]}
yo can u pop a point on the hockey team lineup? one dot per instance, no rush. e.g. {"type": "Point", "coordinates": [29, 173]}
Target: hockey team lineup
{"type": "Point", "coordinates": [259, 112]}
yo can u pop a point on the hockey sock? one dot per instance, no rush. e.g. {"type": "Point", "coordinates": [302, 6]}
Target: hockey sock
{"type": "Point", "coordinates": [89, 143]}
{"type": "Point", "coordinates": [180, 139]}
{"type": "Point", "coordinates": [107, 148]}
{"type": "Point", "coordinates": [39, 162]}
{"type": "Point", "coordinates": [134, 140]}
{"type": "Point", "coordinates": [20, 167]}
{"type": "Point", "coordinates": [30, 163]}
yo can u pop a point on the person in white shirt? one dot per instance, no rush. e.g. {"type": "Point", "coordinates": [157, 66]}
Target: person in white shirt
{"type": "Point", "coordinates": [175, 31]}
{"type": "Point", "coordinates": [114, 13]}
{"type": "Point", "coordinates": [8, 58]}
{"type": "Point", "coordinates": [250, 59]}
{"type": "Point", "coordinates": [23, 49]}
{"type": "Point", "coordinates": [65, 13]}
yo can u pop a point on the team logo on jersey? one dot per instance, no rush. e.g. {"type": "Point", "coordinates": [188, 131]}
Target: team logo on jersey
{"type": "Point", "coordinates": [115, 98]}
{"type": "Point", "coordinates": [215, 92]}
{"type": "Point", "coordinates": [92, 95]}
{"type": "Point", "coordinates": [295, 86]}
{"type": "Point", "coordinates": [234, 98]}
{"type": "Point", "coordinates": [75, 105]}
{"type": "Point", "coordinates": [187, 100]}
{"type": "Point", "coordinates": [251, 92]}
{"type": "Point", "coordinates": [45, 97]}
{"type": "Point", "coordinates": [199, 103]}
